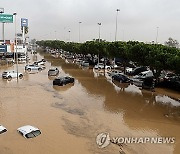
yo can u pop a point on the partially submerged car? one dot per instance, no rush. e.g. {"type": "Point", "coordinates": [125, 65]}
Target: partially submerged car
{"type": "Point", "coordinates": [136, 70]}
{"type": "Point", "coordinates": [11, 74]}
{"type": "Point", "coordinates": [102, 66]}
{"type": "Point", "coordinates": [53, 72]}
{"type": "Point", "coordinates": [41, 62]}
{"type": "Point", "coordinates": [29, 131]}
{"type": "Point", "coordinates": [60, 81]}
{"type": "Point", "coordinates": [121, 78]}
{"type": "Point", "coordinates": [33, 67]}
{"type": "Point", "coordinates": [114, 72]}
{"type": "Point", "coordinates": [2, 129]}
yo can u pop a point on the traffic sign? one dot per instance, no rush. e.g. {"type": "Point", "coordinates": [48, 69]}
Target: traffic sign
{"type": "Point", "coordinates": [24, 22]}
{"type": "Point", "coordinates": [6, 18]}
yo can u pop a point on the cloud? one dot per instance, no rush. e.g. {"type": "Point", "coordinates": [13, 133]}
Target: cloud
{"type": "Point", "coordinates": [137, 19]}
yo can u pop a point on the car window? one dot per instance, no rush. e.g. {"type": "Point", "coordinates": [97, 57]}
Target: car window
{"type": "Point", "coordinates": [36, 133]}
{"type": "Point", "coordinates": [30, 135]}
{"type": "Point", "coordinates": [3, 131]}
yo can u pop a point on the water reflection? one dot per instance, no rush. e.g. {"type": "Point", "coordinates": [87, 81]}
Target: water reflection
{"type": "Point", "coordinates": [142, 111]}
{"type": "Point", "coordinates": [63, 88]}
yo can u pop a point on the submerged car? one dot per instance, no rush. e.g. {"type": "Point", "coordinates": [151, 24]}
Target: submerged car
{"type": "Point", "coordinates": [121, 78]}
{"type": "Point", "coordinates": [114, 72]}
{"type": "Point", "coordinates": [137, 70]}
{"type": "Point", "coordinates": [33, 67]}
{"type": "Point", "coordinates": [41, 62]}
{"type": "Point", "coordinates": [11, 74]}
{"type": "Point", "coordinates": [2, 129]}
{"type": "Point", "coordinates": [29, 131]}
{"type": "Point", "coordinates": [101, 66]}
{"type": "Point", "coordinates": [85, 63]}
{"type": "Point", "coordinates": [63, 81]}
{"type": "Point", "coordinates": [53, 72]}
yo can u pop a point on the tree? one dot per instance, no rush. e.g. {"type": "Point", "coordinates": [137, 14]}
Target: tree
{"type": "Point", "coordinates": [25, 28]}
{"type": "Point", "coordinates": [172, 43]}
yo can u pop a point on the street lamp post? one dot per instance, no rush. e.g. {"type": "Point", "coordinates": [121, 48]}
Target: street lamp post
{"type": "Point", "coordinates": [99, 39]}
{"type": "Point", "coordinates": [79, 32]}
{"type": "Point", "coordinates": [55, 35]}
{"type": "Point", "coordinates": [3, 38]}
{"type": "Point", "coordinates": [157, 35]}
{"type": "Point", "coordinates": [69, 35]}
{"type": "Point", "coordinates": [116, 24]}
{"type": "Point", "coordinates": [16, 44]}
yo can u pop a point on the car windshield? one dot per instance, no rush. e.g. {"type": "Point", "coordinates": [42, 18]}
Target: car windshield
{"type": "Point", "coordinates": [3, 131]}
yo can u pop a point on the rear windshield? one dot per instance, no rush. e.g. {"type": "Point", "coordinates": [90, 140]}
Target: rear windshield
{"type": "Point", "coordinates": [3, 131]}
{"type": "Point", "coordinates": [33, 134]}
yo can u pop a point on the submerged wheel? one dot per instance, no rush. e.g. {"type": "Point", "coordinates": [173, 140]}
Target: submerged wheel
{"type": "Point", "coordinates": [39, 69]}
{"type": "Point", "coordinates": [20, 76]}
{"type": "Point", "coordinates": [9, 77]}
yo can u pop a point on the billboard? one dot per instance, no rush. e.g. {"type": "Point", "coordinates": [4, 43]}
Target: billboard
{"type": "Point", "coordinates": [3, 48]}
{"type": "Point", "coordinates": [6, 18]}
{"type": "Point", "coordinates": [24, 22]}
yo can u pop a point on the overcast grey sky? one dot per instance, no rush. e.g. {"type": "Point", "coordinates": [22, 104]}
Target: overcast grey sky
{"type": "Point", "coordinates": [137, 19]}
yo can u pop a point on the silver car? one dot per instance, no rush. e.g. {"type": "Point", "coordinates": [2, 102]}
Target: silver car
{"type": "Point", "coordinates": [33, 67]}
{"type": "Point", "coordinates": [53, 72]}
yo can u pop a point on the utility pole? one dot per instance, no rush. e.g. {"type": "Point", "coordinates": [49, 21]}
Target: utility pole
{"type": "Point", "coordinates": [3, 38]}
{"type": "Point", "coordinates": [157, 35]}
{"type": "Point", "coordinates": [116, 24]}
{"type": "Point", "coordinates": [99, 39]}
{"type": "Point", "coordinates": [79, 32]}
{"type": "Point", "coordinates": [15, 14]}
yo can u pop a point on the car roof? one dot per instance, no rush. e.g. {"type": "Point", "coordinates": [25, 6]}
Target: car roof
{"type": "Point", "coordinates": [10, 71]}
{"type": "Point", "coordinates": [146, 72]}
{"type": "Point", "coordinates": [27, 129]}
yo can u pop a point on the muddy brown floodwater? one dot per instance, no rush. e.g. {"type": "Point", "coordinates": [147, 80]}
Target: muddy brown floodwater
{"type": "Point", "coordinates": [71, 117]}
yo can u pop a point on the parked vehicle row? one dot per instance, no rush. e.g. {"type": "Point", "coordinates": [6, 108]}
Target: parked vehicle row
{"type": "Point", "coordinates": [138, 75]}
{"type": "Point", "coordinates": [27, 131]}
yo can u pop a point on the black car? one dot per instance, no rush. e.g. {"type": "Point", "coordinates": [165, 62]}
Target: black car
{"type": "Point", "coordinates": [63, 81]}
{"type": "Point", "coordinates": [121, 78]}
{"type": "Point", "coordinates": [148, 83]}
{"type": "Point", "coordinates": [172, 83]}
{"type": "Point", "coordinates": [138, 70]}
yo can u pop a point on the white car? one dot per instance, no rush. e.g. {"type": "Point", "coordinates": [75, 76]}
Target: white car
{"type": "Point", "coordinates": [2, 129]}
{"type": "Point", "coordinates": [11, 74]}
{"type": "Point", "coordinates": [101, 66]}
{"type": "Point", "coordinates": [129, 70]}
{"type": "Point", "coordinates": [33, 67]}
{"type": "Point", "coordinates": [29, 131]}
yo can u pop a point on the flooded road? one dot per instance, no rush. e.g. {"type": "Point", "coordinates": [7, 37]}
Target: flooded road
{"type": "Point", "coordinates": [71, 117]}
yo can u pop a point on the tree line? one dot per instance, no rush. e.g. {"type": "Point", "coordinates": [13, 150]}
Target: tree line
{"type": "Point", "coordinates": [157, 56]}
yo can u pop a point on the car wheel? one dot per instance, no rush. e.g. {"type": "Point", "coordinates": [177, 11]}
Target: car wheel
{"type": "Point", "coordinates": [29, 69]}
{"type": "Point", "coordinates": [108, 68]}
{"type": "Point", "coordinates": [39, 69]}
{"type": "Point", "coordinates": [20, 76]}
{"type": "Point", "coordinates": [9, 77]}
